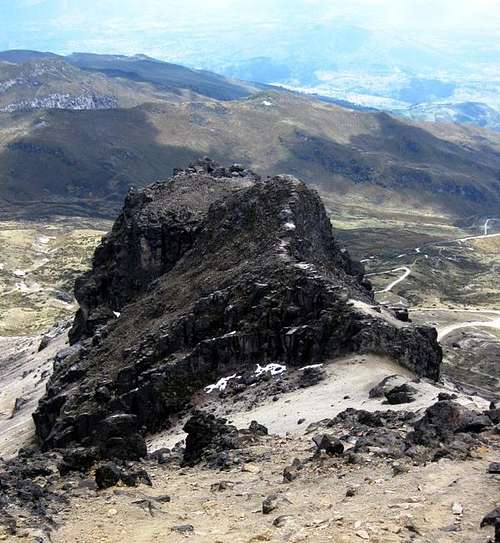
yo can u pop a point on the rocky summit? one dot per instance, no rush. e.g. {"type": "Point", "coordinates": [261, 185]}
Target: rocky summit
{"type": "Point", "coordinates": [207, 274]}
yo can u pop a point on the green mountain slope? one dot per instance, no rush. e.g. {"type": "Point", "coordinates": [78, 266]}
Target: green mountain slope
{"type": "Point", "coordinates": [54, 160]}
{"type": "Point", "coordinates": [77, 131]}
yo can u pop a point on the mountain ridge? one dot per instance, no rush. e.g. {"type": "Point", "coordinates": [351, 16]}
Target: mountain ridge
{"type": "Point", "coordinates": [72, 140]}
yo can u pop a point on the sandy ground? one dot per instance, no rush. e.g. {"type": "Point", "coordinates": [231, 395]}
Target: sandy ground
{"type": "Point", "coordinates": [415, 506]}
{"type": "Point", "coordinates": [347, 385]}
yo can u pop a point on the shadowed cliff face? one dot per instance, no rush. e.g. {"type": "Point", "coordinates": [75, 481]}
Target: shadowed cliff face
{"type": "Point", "coordinates": [212, 272]}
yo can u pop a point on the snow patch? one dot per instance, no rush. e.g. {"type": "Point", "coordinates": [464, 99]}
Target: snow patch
{"type": "Point", "coordinates": [220, 385]}
{"type": "Point", "coordinates": [304, 266]}
{"type": "Point", "coordinates": [289, 226]}
{"type": "Point", "coordinates": [267, 103]}
{"type": "Point", "coordinates": [273, 369]}
{"type": "Point", "coordinates": [312, 366]}
{"type": "Point", "coordinates": [19, 273]}
{"type": "Point", "coordinates": [116, 314]}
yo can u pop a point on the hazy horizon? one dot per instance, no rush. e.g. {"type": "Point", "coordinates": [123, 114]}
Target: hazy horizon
{"type": "Point", "coordinates": [169, 31]}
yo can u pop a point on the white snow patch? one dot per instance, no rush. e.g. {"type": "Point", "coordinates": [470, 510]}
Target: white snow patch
{"type": "Point", "coordinates": [273, 369]}
{"type": "Point", "coordinates": [44, 240]}
{"type": "Point", "coordinates": [116, 314]}
{"type": "Point", "coordinates": [266, 103]}
{"type": "Point", "coordinates": [401, 256]}
{"type": "Point", "coordinates": [289, 226]}
{"type": "Point", "coordinates": [220, 385]}
{"type": "Point", "coordinates": [19, 273]}
{"type": "Point", "coordinates": [304, 266]}
{"type": "Point", "coordinates": [417, 250]}
{"type": "Point", "coordinates": [312, 366]}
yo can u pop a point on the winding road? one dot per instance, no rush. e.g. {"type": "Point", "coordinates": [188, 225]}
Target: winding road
{"type": "Point", "coordinates": [389, 287]}
{"type": "Point", "coordinates": [444, 331]}
{"type": "Point", "coordinates": [494, 323]}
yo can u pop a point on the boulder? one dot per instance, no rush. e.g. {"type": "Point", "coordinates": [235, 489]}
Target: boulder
{"type": "Point", "coordinates": [207, 435]}
{"type": "Point", "coordinates": [258, 429]}
{"type": "Point", "coordinates": [444, 419]}
{"type": "Point", "coordinates": [400, 394]}
{"type": "Point", "coordinates": [328, 443]}
{"type": "Point", "coordinates": [107, 475]}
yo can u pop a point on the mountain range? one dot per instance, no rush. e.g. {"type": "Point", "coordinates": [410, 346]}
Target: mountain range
{"type": "Point", "coordinates": [77, 131]}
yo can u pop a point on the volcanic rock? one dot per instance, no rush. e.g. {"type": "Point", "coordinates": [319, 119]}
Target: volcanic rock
{"type": "Point", "coordinates": [444, 419]}
{"type": "Point", "coordinates": [207, 435]}
{"type": "Point", "coordinates": [401, 394]}
{"type": "Point", "coordinates": [330, 444]}
{"type": "Point", "coordinates": [107, 475]}
{"type": "Point", "coordinates": [202, 276]}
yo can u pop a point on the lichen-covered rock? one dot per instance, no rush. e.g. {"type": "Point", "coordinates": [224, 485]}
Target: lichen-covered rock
{"type": "Point", "coordinates": [202, 276]}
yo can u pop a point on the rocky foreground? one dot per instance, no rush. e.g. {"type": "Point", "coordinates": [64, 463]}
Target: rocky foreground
{"type": "Point", "coordinates": [220, 290]}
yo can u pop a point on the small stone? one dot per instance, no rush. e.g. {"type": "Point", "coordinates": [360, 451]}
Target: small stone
{"type": "Point", "coordinates": [222, 485]}
{"type": "Point", "coordinates": [112, 512]}
{"type": "Point", "coordinates": [270, 504]}
{"type": "Point", "coordinates": [183, 528]}
{"type": "Point", "coordinates": [250, 468]}
{"type": "Point", "coordinates": [290, 473]}
{"type": "Point", "coordinates": [281, 520]}
{"type": "Point", "coordinates": [363, 534]}
{"type": "Point", "coordinates": [494, 467]}
{"type": "Point", "coordinates": [301, 421]}
{"type": "Point", "coordinates": [165, 498]}
{"type": "Point", "coordinates": [398, 469]}
{"type": "Point", "coordinates": [351, 491]}
{"type": "Point", "coordinates": [457, 509]}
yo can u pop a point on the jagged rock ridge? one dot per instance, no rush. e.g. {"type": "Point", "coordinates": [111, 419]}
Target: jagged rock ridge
{"type": "Point", "coordinates": [205, 274]}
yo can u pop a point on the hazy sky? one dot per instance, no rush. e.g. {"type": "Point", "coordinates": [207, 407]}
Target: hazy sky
{"type": "Point", "coordinates": [131, 26]}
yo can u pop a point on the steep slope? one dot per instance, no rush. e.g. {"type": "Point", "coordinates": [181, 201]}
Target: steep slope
{"type": "Point", "coordinates": [188, 289]}
{"type": "Point", "coordinates": [90, 158]}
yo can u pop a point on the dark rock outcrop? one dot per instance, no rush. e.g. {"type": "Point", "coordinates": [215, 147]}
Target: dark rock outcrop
{"type": "Point", "coordinates": [206, 436]}
{"type": "Point", "coordinates": [157, 226]}
{"type": "Point", "coordinates": [446, 429]}
{"type": "Point", "coordinates": [204, 275]}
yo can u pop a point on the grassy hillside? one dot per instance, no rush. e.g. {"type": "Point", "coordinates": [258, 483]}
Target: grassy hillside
{"type": "Point", "coordinates": [84, 161]}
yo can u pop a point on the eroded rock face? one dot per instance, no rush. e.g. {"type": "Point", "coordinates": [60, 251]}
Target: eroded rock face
{"type": "Point", "coordinates": [205, 275]}
{"type": "Point", "coordinates": [157, 226]}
